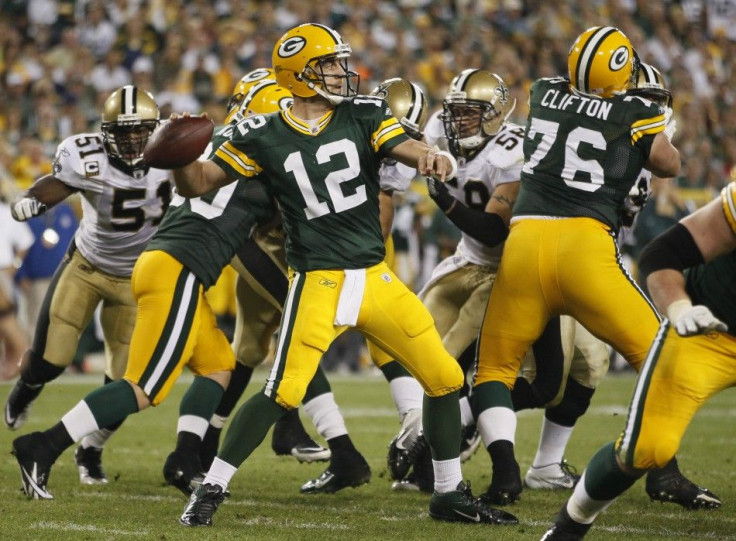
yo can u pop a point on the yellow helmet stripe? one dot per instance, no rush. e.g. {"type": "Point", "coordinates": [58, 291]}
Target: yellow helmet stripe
{"type": "Point", "coordinates": [729, 207]}
{"type": "Point", "coordinates": [334, 35]}
{"type": "Point", "coordinates": [587, 54]}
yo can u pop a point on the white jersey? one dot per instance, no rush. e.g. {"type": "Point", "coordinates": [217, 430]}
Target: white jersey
{"type": "Point", "coordinates": [395, 176]}
{"type": "Point", "coordinates": [499, 162]}
{"type": "Point", "coordinates": [120, 212]}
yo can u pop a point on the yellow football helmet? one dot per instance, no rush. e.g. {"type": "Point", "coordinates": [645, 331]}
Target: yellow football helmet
{"type": "Point", "coordinates": [602, 62]}
{"type": "Point", "coordinates": [475, 109]}
{"type": "Point", "coordinates": [650, 84]}
{"type": "Point", "coordinates": [248, 81]}
{"type": "Point", "coordinates": [266, 97]}
{"type": "Point", "coordinates": [129, 117]}
{"type": "Point", "coordinates": [407, 102]}
{"type": "Point", "coordinates": [298, 59]}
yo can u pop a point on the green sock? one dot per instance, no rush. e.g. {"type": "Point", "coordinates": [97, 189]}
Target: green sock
{"type": "Point", "coordinates": [249, 428]}
{"type": "Point", "coordinates": [202, 398]}
{"type": "Point", "coordinates": [393, 369]}
{"type": "Point", "coordinates": [604, 479]}
{"type": "Point", "coordinates": [318, 386]}
{"type": "Point", "coordinates": [112, 403]}
{"type": "Point", "coordinates": [490, 394]}
{"type": "Point", "coordinates": [441, 420]}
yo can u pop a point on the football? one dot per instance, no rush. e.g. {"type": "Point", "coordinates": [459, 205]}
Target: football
{"type": "Point", "coordinates": [178, 142]}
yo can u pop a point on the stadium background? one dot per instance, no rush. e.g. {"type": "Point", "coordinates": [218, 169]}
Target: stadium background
{"type": "Point", "coordinates": [60, 59]}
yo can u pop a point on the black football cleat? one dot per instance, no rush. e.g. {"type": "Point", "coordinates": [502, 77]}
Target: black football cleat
{"type": "Point", "coordinates": [669, 485]}
{"type": "Point", "coordinates": [555, 533]}
{"type": "Point", "coordinates": [202, 505]}
{"type": "Point", "coordinates": [565, 528]}
{"type": "Point", "coordinates": [346, 469]}
{"type": "Point", "coordinates": [19, 403]}
{"type": "Point", "coordinates": [89, 464]}
{"type": "Point", "coordinates": [35, 460]}
{"type": "Point", "coordinates": [505, 487]}
{"type": "Point", "coordinates": [289, 438]}
{"type": "Point", "coordinates": [407, 446]}
{"type": "Point", "coordinates": [183, 471]}
{"type": "Point", "coordinates": [460, 506]}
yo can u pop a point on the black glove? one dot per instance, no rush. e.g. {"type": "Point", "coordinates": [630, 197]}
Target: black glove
{"type": "Point", "coordinates": [440, 194]}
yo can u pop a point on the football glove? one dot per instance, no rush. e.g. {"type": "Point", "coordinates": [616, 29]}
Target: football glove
{"type": "Point", "coordinates": [26, 208]}
{"type": "Point", "coordinates": [440, 194]}
{"type": "Point", "coordinates": [690, 320]}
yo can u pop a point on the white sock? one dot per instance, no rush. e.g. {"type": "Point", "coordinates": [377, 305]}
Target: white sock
{"type": "Point", "coordinates": [192, 423]}
{"type": "Point", "coordinates": [79, 421]}
{"type": "Point", "coordinates": [218, 421]}
{"type": "Point", "coordinates": [407, 394]}
{"type": "Point", "coordinates": [447, 474]}
{"type": "Point", "coordinates": [497, 423]}
{"type": "Point", "coordinates": [220, 473]}
{"type": "Point", "coordinates": [582, 508]}
{"type": "Point", "coordinates": [97, 439]}
{"type": "Point", "coordinates": [552, 443]}
{"type": "Point", "coordinates": [466, 414]}
{"type": "Point", "coordinates": [326, 416]}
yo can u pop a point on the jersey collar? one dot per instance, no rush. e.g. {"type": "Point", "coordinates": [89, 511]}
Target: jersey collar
{"type": "Point", "coordinates": [302, 127]}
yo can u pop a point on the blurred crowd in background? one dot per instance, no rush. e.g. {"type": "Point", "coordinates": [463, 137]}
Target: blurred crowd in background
{"type": "Point", "coordinates": [60, 59]}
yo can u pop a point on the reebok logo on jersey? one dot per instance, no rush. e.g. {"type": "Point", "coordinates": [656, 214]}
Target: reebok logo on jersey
{"type": "Point", "coordinates": [328, 283]}
{"type": "Point", "coordinates": [386, 277]}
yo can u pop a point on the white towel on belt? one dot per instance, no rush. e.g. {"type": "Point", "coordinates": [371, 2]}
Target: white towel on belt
{"type": "Point", "coordinates": [351, 297]}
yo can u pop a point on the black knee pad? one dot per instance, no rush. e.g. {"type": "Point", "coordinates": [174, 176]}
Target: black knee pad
{"type": "Point", "coordinates": [574, 404]}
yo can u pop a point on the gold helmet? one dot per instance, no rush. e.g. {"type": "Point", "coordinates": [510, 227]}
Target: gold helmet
{"type": "Point", "coordinates": [407, 103]}
{"type": "Point", "coordinates": [475, 109]}
{"type": "Point", "coordinates": [248, 81]}
{"type": "Point", "coordinates": [266, 97]}
{"type": "Point", "coordinates": [650, 84]}
{"type": "Point", "coordinates": [298, 59]}
{"type": "Point", "coordinates": [602, 62]}
{"type": "Point", "coordinates": [129, 117]}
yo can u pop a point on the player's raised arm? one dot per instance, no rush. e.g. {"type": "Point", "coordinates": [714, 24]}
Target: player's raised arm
{"type": "Point", "coordinates": [427, 160]}
{"type": "Point", "coordinates": [198, 178]}
{"type": "Point", "coordinates": [46, 192]}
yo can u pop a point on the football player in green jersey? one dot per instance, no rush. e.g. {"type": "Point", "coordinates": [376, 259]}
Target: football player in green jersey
{"type": "Point", "coordinates": [586, 142]}
{"type": "Point", "coordinates": [320, 159]}
{"type": "Point", "coordinates": [589, 364]}
{"type": "Point", "coordinates": [174, 326]}
{"type": "Point", "coordinates": [689, 271]}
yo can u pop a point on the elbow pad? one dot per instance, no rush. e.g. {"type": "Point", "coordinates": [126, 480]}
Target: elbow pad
{"type": "Point", "coordinates": [486, 227]}
{"type": "Point", "coordinates": [674, 249]}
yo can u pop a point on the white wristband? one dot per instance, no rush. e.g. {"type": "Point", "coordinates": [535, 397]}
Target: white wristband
{"type": "Point", "coordinates": [677, 308]}
{"type": "Point", "coordinates": [453, 162]}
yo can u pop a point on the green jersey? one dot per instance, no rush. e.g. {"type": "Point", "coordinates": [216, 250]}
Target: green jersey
{"type": "Point", "coordinates": [324, 176]}
{"type": "Point", "coordinates": [203, 233]}
{"type": "Point", "coordinates": [713, 285]}
{"type": "Point", "coordinates": [582, 154]}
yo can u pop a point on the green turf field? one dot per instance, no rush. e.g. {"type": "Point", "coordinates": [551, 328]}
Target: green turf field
{"type": "Point", "coordinates": [266, 503]}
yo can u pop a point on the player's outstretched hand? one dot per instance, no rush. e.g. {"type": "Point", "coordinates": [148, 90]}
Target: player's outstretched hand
{"type": "Point", "coordinates": [698, 319]}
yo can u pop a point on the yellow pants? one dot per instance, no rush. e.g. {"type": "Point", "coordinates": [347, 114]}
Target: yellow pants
{"type": "Point", "coordinates": [174, 326]}
{"type": "Point", "coordinates": [561, 266]}
{"type": "Point", "coordinates": [390, 315]}
{"type": "Point", "coordinates": [679, 376]}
